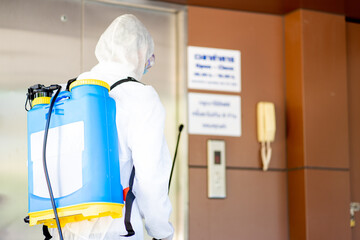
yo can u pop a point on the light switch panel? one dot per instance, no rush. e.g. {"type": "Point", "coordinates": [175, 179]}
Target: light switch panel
{"type": "Point", "coordinates": [216, 169]}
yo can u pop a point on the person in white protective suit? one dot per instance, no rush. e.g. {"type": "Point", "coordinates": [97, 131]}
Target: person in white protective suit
{"type": "Point", "coordinates": [125, 50]}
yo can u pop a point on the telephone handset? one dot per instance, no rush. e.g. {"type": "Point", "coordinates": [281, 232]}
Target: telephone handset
{"type": "Point", "coordinates": [266, 128]}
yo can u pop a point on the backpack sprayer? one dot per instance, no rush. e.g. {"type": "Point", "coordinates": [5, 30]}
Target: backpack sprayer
{"type": "Point", "coordinates": [78, 152]}
{"type": "Point", "coordinates": [82, 141]}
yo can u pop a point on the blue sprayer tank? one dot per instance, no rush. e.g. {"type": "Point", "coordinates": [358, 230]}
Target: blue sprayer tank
{"type": "Point", "coordinates": [82, 156]}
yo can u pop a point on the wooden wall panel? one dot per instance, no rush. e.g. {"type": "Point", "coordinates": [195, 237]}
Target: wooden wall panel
{"type": "Point", "coordinates": [316, 90]}
{"type": "Point", "coordinates": [297, 205]}
{"type": "Point", "coordinates": [294, 90]}
{"type": "Point", "coordinates": [256, 203]}
{"type": "Point", "coordinates": [353, 71]}
{"type": "Point", "coordinates": [254, 209]}
{"type": "Point", "coordinates": [317, 109]}
{"type": "Point", "coordinates": [327, 204]}
{"type": "Point", "coordinates": [325, 90]}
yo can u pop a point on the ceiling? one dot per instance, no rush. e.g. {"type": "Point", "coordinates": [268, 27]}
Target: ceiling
{"type": "Point", "coordinates": [349, 8]}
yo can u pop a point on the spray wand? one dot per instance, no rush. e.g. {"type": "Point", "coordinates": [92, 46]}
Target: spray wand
{"type": "Point", "coordinates": [176, 149]}
{"type": "Point", "coordinates": [173, 164]}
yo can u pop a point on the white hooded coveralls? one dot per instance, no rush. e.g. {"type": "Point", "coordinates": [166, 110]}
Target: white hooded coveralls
{"type": "Point", "coordinates": [122, 52]}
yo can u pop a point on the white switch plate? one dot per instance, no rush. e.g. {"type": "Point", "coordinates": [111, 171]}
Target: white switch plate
{"type": "Point", "coordinates": [216, 169]}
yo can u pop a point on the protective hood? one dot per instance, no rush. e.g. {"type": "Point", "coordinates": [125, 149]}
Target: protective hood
{"type": "Point", "coordinates": [122, 50]}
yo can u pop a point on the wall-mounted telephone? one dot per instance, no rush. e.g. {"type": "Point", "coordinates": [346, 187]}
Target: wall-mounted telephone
{"type": "Point", "coordinates": [266, 128]}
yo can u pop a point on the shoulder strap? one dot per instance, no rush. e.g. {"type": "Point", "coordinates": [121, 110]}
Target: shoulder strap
{"type": "Point", "coordinates": [46, 232]}
{"type": "Point", "coordinates": [129, 79]}
{"type": "Point", "coordinates": [130, 197]}
{"type": "Point", "coordinates": [69, 83]}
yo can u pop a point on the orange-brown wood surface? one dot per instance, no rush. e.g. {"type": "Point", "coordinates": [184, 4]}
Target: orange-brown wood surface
{"type": "Point", "coordinates": [256, 203]}
{"type": "Point", "coordinates": [318, 131]}
{"type": "Point", "coordinates": [349, 8]}
{"type": "Point", "coordinates": [353, 62]}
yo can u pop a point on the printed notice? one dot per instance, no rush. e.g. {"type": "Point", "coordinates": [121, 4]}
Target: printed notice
{"type": "Point", "coordinates": [214, 114]}
{"type": "Point", "coordinates": [214, 69]}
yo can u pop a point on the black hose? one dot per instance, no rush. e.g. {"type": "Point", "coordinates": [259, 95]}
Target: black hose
{"type": "Point", "coordinates": [176, 149]}
{"type": "Point", "coordinates": [44, 161]}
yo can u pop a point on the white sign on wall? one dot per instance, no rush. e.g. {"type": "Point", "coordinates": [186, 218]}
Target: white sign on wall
{"type": "Point", "coordinates": [214, 69]}
{"type": "Point", "coordinates": [214, 114]}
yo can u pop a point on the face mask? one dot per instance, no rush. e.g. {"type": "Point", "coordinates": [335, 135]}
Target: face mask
{"type": "Point", "coordinates": [149, 63]}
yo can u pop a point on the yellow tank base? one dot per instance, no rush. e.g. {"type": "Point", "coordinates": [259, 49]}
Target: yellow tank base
{"type": "Point", "coordinates": [76, 213]}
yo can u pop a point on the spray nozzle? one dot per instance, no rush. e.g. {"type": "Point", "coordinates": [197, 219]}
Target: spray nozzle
{"type": "Point", "coordinates": [39, 90]}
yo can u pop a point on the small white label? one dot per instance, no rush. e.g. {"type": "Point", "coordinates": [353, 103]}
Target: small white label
{"type": "Point", "coordinates": [65, 146]}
